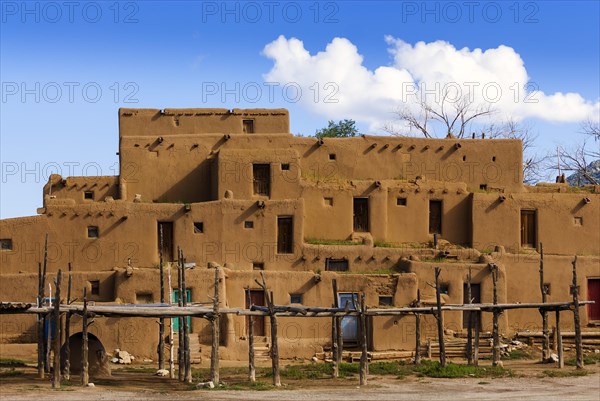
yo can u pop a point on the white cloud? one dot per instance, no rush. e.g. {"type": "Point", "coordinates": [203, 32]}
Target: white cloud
{"type": "Point", "coordinates": [495, 75]}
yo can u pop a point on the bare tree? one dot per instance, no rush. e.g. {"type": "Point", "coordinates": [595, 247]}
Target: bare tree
{"type": "Point", "coordinates": [578, 160]}
{"type": "Point", "coordinates": [533, 162]}
{"type": "Point", "coordinates": [454, 114]}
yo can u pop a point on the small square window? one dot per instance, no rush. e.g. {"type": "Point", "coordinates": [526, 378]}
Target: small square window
{"type": "Point", "coordinates": [248, 224]}
{"type": "Point", "coordinates": [92, 232]}
{"type": "Point", "coordinates": [328, 201]}
{"type": "Point", "coordinates": [258, 266]}
{"type": "Point", "coordinates": [401, 201]}
{"type": "Point", "coordinates": [95, 287]}
{"type": "Point", "coordinates": [332, 156]}
{"type": "Point", "coordinates": [444, 289]}
{"type": "Point", "coordinates": [88, 195]}
{"type": "Point", "coordinates": [6, 244]}
{"type": "Point", "coordinates": [248, 126]}
{"type": "Point", "coordinates": [198, 227]}
{"type": "Point", "coordinates": [578, 221]}
{"type": "Point", "coordinates": [296, 298]}
{"type": "Point", "coordinates": [386, 300]}
{"type": "Point", "coordinates": [483, 187]}
{"type": "Point", "coordinates": [144, 298]}
{"type": "Point", "coordinates": [285, 166]}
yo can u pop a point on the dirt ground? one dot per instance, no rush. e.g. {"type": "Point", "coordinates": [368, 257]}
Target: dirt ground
{"type": "Point", "coordinates": [528, 384]}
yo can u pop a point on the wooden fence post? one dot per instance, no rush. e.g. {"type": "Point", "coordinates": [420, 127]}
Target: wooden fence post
{"type": "Point", "coordinates": [543, 311]}
{"type": "Point", "coordinates": [186, 328]}
{"type": "Point", "coordinates": [364, 363]}
{"type": "Point", "coordinates": [251, 367]}
{"type": "Point", "coordinates": [85, 378]}
{"type": "Point", "coordinates": [67, 369]}
{"type": "Point", "coordinates": [40, 324]}
{"type": "Point", "coordinates": [495, 316]}
{"type": "Point", "coordinates": [418, 331]}
{"type": "Point", "coordinates": [470, 323]}
{"type": "Point", "coordinates": [440, 322]}
{"type": "Point", "coordinates": [274, 345]}
{"type": "Point", "coordinates": [57, 333]}
{"type": "Point", "coordinates": [578, 348]}
{"type": "Point", "coordinates": [215, 323]}
{"type": "Point", "coordinates": [336, 335]}
{"type": "Point", "coordinates": [180, 347]}
{"type": "Point", "coordinates": [161, 324]}
{"type": "Point", "coordinates": [561, 359]}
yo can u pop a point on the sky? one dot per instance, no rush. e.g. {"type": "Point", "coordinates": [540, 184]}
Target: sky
{"type": "Point", "coordinates": [67, 67]}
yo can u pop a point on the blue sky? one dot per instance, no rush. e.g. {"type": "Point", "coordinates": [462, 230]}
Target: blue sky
{"type": "Point", "coordinates": [66, 71]}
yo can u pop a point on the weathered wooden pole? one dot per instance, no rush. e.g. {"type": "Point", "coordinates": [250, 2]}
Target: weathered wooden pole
{"type": "Point", "coordinates": [418, 331]}
{"type": "Point", "coordinates": [336, 352]}
{"type": "Point", "coordinates": [57, 333]}
{"type": "Point", "coordinates": [578, 348]}
{"type": "Point", "coordinates": [470, 322]}
{"type": "Point", "coordinates": [186, 328]}
{"type": "Point", "coordinates": [561, 359]}
{"type": "Point", "coordinates": [180, 348]}
{"type": "Point", "coordinates": [251, 367]}
{"type": "Point", "coordinates": [274, 345]}
{"type": "Point", "coordinates": [67, 368]}
{"type": "Point", "coordinates": [543, 311]}
{"type": "Point", "coordinates": [439, 318]}
{"type": "Point", "coordinates": [477, 324]}
{"type": "Point", "coordinates": [85, 378]}
{"type": "Point", "coordinates": [364, 363]}
{"type": "Point", "coordinates": [171, 342]}
{"type": "Point", "coordinates": [495, 316]}
{"type": "Point", "coordinates": [46, 341]}
{"type": "Point", "coordinates": [49, 322]}
{"type": "Point", "coordinates": [161, 327]}
{"type": "Point", "coordinates": [215, 323]}
{"type": "Point", "coordinates": [338, 326]}
{"type": "Point", "coordinates": [40, 324]}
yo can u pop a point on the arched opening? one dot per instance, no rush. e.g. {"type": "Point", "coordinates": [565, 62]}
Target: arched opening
{"type": "Point", "coordinates": [97, 358]}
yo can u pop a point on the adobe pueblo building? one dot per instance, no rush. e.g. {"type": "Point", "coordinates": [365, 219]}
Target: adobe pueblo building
{"type": "Point", "coordinates": [235, 188]}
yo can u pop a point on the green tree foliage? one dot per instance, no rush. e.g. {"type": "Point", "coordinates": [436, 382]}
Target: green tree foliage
{"type": "Point", "coordinates": [341, 129]}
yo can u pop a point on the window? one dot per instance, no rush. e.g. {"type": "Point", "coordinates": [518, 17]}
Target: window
{"type": "Point", "coordinates": [285, 235]}
{"type": "Point", "coordinates": [295, 298]}
{"type": "Point", "coordinates": [336, 265]}
{"type": "Point", "coordinates": [386, 300]}
{"type": "Point", "coordinates": [198, 227]}
{"type": "Point", "coordinates": [95, 287]}
{"type": "Point", "coordinates": [483, 187]}
{"type": "Point", "coordinates": [285, 166]}
{"type": "Point", "coordinates": [248, 126]}
{"type": "Point", "coordinates": [547, 288]}
{"type": "Point", "coordinates": [444, 289]}
{"type": "Point", "coordinates": [528, 228]}
{"type": "Point", "coordinates": [92, 232]}
{"type": "Point", "coordinates": [248, 224]}
{"type": "Point", "coordinates": [328, 201]}
{"type": "Point", "coordinates": [332, 156]}
{"type": "Point", "coordinates": [261, 176]}
{"type": "Point", "coordinates": [144, 298]}
{"type": "Point", "coordinates": [258, 266]}
{"type": "Point", "coordinates": [401, 201]}
{"type": "Point", "coordinates": [578, 221]}
{"type": "Point", "coordinates": [88, 195]}
{"type": "Point", "coordinates": [6, 244]}
{"type": "Point", "coordinates": [435, 217]}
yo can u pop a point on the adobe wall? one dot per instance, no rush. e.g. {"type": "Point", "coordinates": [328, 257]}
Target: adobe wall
{"type": "Point", "coordinates": [82, 190]}
{"type": "Point", "coordinates": [497, 222]}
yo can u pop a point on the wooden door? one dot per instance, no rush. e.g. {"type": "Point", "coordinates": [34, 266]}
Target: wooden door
{"type": "Point", "coordinates": [476, 299]}
{"type": "Point", "coordinates": [257, 297]}
{"type": "Point", "coordinates": [167, 240]}
{"type": "Point", "coordinates": [261, 175]}
{"type": "Point", "coordinates": [285, 235]}
{"type": "Point", "coordinates": [528, 228]}
{"type": "Point", "coordinates": [435, 217]}
{"type": "Point", "coordinates": [594, 295]}
{"type": "Point", "coordinates": [361, 214]}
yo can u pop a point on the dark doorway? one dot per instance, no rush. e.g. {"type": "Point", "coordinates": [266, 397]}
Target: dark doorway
{"type": "Point", "coordinates": [594, 295]}
{"type": "Point", "coordinates": [98, 361]}
{"type": "Point", "coordinates": [435, 217]}
{"type": "Point", "coordinates": [167, 240]}
{"type": "Point", "coordinates": [361, 214]}
{"type": "Point", "coordinates": [248, 126]}
{"type": "Point", "coordinates": [257, 297]}
{"type": "Point", "coordinates": [476, 299]}
{"type": "Point", "coordinates": [285, 235]}
{"type": "Point", "coordinates": [528, 228]}
{"type": "Point", "coordinates": [261, 175]}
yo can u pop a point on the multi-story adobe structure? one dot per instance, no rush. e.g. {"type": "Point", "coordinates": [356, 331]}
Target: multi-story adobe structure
{"type": "Point", "coordinates": [234, 187]}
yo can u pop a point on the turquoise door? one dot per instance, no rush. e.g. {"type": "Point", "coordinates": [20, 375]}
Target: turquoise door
{"type": "Point", "coordinates": [188, 294]}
